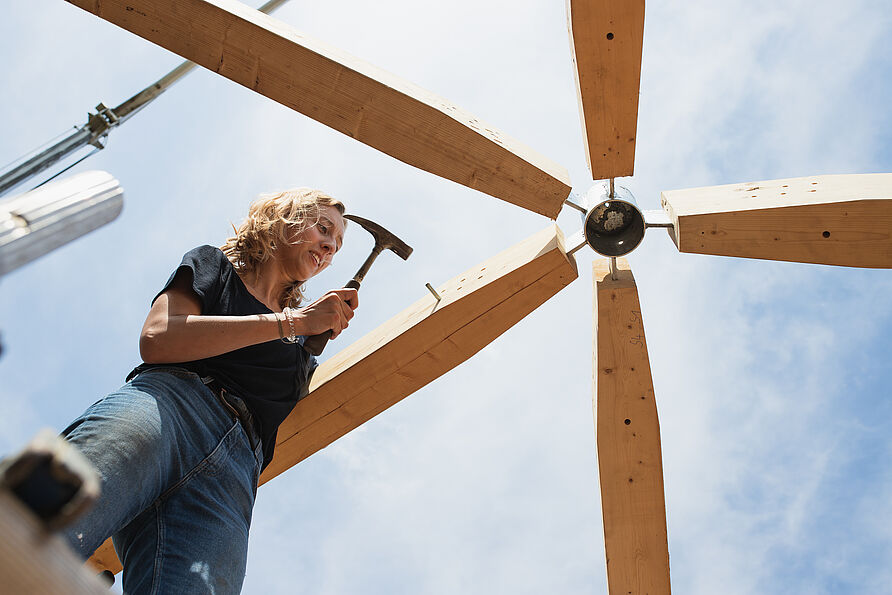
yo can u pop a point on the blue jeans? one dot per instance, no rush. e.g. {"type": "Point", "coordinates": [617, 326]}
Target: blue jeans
{"type": "Point", "coordinates": [179, 475]}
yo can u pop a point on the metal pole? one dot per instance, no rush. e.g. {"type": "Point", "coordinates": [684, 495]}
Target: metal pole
{"type": "Point", "coordinates": [138, 101]}
{"type": "Point", "coordinates": [99, 124]}
{"type": "Point", "coordinates": [141, 99]}
{"type": "Point", "coordinates": [43, 160]}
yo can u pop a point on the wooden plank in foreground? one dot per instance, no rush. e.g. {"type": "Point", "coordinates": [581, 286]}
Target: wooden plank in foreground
{"type": "Point", "coordinates": [345, 93]}
{"type": "Point", "coordinates": [413, 349]}
{"type": "Point", "coordinates": [630, 459]}
{"type": "Point", "coordinates": [35, 561]}
{"type": "Point", "coordinates": [843, 220]}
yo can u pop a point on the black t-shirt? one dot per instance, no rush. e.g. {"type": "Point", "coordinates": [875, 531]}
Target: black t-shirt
{"type": "Point", "coordinates": [270, 377]}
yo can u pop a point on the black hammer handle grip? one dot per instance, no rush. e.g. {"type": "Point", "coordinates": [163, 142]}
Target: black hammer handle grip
{"type": "Point", "coordinates": [316, 344]}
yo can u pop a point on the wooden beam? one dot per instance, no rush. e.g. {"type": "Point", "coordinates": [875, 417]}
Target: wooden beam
{"type": "Point", "coordinates": [35, 561]}
{"type": "Point", "coordinates": [105, 558]}
{"type": "Point", "coordinates": [345, 93]}
{"type": "Point", "coordinates": [630, 459]}
{"type": "Point", "coordinates": [841, 220]}
{"type": "Point", "coordinates": [422, 343]}
{"type": "Point", "coordinates": [415, 348]}
{"type": "Point", "coordinates": [607, 37]}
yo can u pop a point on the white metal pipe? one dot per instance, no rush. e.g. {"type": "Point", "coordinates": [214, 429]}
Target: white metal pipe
{"type": "Point", "coordinates": [37, 222]}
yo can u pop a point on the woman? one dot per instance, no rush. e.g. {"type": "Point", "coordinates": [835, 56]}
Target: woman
{"type": "Point", "coordinates": [180, 446]}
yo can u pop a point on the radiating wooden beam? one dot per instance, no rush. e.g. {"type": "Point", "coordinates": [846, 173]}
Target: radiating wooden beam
{"type": "Point", "coordinates": [415, 348]}
{"type": "Point", "coordinates": [607, 38]}
{"type": "Point", "coordinates": [630, 460]}
{"type": "Point", "coordinates": [841, 220]}
{"type": "Point", "coordinates": [422, 343]}
{"type": "Point", "coordinates": [345, 93]}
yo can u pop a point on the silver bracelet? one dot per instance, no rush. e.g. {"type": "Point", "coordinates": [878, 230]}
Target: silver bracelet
{"type": "Point", "coordinates": [292, 338]}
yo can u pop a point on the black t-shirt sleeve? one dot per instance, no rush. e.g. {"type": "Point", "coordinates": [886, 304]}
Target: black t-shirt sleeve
{"type": "Point", "coordinates": [203, 266]}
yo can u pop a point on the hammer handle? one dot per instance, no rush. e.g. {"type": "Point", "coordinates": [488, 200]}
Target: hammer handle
{"type": "Point", "coordinates": [315, 344]}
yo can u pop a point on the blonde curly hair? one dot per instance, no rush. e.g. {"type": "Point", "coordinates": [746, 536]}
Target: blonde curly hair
{"type": "Point", "coordinates": [271, 220]}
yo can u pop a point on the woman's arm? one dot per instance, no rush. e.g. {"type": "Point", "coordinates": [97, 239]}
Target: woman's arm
{"type": "Point", "coordinates": [175, 331]}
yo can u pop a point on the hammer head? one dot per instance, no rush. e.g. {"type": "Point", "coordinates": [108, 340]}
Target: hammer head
{"type": "Point", "coordinates": [384, 240]}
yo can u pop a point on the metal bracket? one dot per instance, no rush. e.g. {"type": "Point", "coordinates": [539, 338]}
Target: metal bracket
{"type": "Point", "coordinates": [578, 203]}
{"type": "Point", "coordinates": [100, 123]}
{"type": "Point", "coordinates": [651, 218]}
{"type": "Point", "coordinates": [575, 205]}
{"type": "Point", "coordinates": [657, 218]}
{"type": "Point", "coordinates": [577, 240]}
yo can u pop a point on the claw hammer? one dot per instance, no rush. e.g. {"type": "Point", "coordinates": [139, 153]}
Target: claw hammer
{"type": "Point", "coordinates": [384, 240]}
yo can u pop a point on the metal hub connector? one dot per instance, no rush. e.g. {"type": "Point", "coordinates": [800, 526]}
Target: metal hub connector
{"type": "Point", "coordinates": [613, 225]}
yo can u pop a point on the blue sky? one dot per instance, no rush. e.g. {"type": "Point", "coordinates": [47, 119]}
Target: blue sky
{"type": "Point", "coordinates": [772, 379]}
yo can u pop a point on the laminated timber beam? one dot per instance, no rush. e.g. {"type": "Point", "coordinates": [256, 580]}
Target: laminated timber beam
{"type": "Point", "coordinates": [422, 343]}
{"type": "Point", "coordinates": [843, 220]}
{"type": "Point", "coordinates": [345, 93]}
{"type": "Point", "coordinates": [415, 348]}
{"type": "Point", "coordinates": [630, 460]}
{"type": "Point", "coordinates": [607, 37]}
